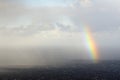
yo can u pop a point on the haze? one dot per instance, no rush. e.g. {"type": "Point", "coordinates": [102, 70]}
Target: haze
{"type": "Point", "coordinates": [41, 32]}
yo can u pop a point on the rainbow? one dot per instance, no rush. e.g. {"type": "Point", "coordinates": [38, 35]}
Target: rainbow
{"type": "Point", "coordinates": [90, 43]}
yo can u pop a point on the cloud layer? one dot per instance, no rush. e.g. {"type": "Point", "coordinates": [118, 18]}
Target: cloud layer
{"type": "Point", "coordinates": [23, 26]}
{"type": "Point", "coordinates": [21, 23]}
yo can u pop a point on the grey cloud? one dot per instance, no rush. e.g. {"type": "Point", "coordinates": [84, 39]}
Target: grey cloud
{"type": "Point", "coordinates": [99, 17]}
{"type": "Point", "coordinates": [57, 26]}
{"type": "Point", "coordinates": [25, 30]}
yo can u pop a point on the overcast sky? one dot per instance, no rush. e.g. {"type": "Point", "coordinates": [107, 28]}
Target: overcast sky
{"type": "Point", "coordinates": [36, 23]}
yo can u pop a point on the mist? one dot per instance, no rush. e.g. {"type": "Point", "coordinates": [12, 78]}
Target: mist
{"type": "Point", "coordinates": [51, 55]}
{"type": "Point", "coordinates": [39, 56]}
{"type": "Point", "coordinates": [49, 32]}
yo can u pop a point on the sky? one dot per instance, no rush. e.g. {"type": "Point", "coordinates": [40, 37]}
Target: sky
{"type": "Point", "coordinates": [26, 24]}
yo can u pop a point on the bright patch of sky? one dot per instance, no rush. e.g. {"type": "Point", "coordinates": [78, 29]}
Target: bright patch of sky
{"type": "Point", "coordinates": [38, 3]}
